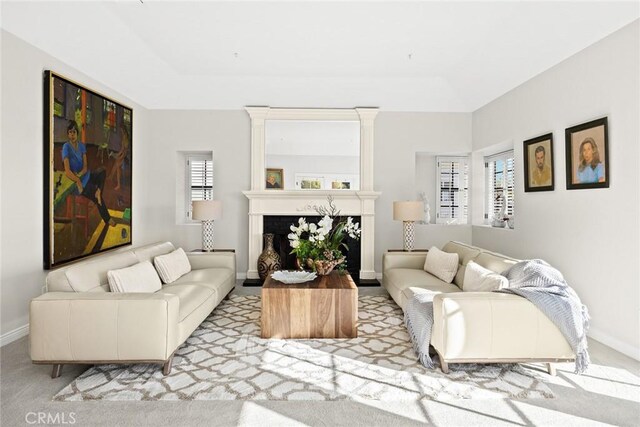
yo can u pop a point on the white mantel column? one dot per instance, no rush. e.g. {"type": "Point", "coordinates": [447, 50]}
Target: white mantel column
{"type": "Point", "coordinates": [258, 116]}
{"type": "Point", "coordinates": [367, 117]}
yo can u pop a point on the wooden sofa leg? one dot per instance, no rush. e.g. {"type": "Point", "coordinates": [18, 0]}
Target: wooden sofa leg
{"type": "Point", "coordinates": [57, 370]}
{"type": "Point", "coordinates": [166, 368]}
{"type": "Point", "coordinates": [551, 368]}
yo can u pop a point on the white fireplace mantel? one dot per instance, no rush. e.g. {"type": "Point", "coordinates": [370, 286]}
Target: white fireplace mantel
{"type": "Point", "coordinates": [300, 202]}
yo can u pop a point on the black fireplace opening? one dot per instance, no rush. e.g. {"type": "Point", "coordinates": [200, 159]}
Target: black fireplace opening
{"type": "Point", "coordinates": [280, 226]}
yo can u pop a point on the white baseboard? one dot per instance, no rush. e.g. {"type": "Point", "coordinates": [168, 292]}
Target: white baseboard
{"type": "Point", "coordinates": [241, 276]}
{"type": "Point", "coordinates": [379, 277]}
{"type": "Point", "coordinates": [16, 334]}
{"type": "Point", "coordinates": [614, 343]}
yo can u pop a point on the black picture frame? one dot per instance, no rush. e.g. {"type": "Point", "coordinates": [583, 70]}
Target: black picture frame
{"type": "Point", "coordinates": [79, 224]}
{"type": "Point", "coordinates": [594, 135]}
{"type": "Point", "coordinates": [535, 178]}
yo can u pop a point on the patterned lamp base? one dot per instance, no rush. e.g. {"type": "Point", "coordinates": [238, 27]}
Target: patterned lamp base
{"type": "Point", "coordinates": [207, 235]}
{"type": "Point", "coordinates": [409, 234]}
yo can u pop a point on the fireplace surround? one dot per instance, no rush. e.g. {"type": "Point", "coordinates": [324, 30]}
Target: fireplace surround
{"type": "Point", "coordinates": [279, 226]}
{"type": "Point", "coordinates": [297, 203]}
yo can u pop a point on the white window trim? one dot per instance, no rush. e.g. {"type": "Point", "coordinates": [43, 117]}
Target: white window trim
{"type": "Point", "coordinates": [488, 204]}
{"type": "Point", "coordinates": [187, 167]}
{"type": "Point", "coordinates": [465, 218]}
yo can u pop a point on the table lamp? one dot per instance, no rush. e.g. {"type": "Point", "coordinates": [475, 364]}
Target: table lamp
{"type": "Point", "coordinates": [207, 211]}
{"type": "Point", "coordinates": [408, 212]}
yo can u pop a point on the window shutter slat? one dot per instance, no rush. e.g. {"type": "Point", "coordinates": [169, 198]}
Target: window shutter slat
{"type": "Point", "coordinates": [200, 176]}
{"type": "Point", "coordinates": [500, 178]}
{"type": "Point", "coordinates": [453, 189]}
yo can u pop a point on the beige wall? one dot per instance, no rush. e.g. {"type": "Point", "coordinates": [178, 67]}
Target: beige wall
{"type": "Point", "coordinates": [591, 236]}
{"type": "Point", "coordinates": [21, 173]}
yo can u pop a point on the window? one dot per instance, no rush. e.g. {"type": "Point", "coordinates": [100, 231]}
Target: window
{"type": "Point", "coordinates": [499, 174]}
{"type": "Point", "coordinates": [453, 189]}
{"type": "Point", "coordinates": [199, 179]}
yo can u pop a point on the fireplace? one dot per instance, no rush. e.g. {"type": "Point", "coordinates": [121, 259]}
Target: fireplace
{"type": "Point", "coordinates": [279, 226]}
{"type": "Point", "coordinates": [291, 204]}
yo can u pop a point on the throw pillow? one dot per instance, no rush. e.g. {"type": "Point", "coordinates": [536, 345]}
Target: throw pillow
{"type": "Point", "coordinates": [441, 264]}
{"type": "Point", "coordinates": [479, 279]}
{"type": "Point", "coordinates": [172, 266]}
{"type": "Point", "coordinates": [141, 277]}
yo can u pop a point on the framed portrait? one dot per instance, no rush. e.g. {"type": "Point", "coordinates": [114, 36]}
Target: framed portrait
{"type": "Point", "coordinates": [538, 163]}
{"type": "Point", "coordinates": [587, 155]}
{"type": "Point", "coordinates": [274, 179]}
{"type": "Point", "coordinates": [341, 185]}
{"type": "Point", "coordinates": [88, 172]}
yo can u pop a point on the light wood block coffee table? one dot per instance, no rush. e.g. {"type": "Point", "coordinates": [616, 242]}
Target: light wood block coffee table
{"type": "Point", "coordinates": [327, 307]}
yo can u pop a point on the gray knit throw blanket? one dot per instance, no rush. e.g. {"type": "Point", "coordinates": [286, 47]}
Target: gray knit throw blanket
{"type": "Point", "coordinates": [545, 287]}
{"type": "Point", "coordinates": [418, 317]}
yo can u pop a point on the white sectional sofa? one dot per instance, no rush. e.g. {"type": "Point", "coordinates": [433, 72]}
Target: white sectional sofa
{"type": "Point", "coordinates": [80, 321]}
{"type": "Point", "coordinates": [476, 327]}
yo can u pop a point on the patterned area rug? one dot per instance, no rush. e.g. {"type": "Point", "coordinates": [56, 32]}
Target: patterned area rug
{"type": "Point", "coordinates": [225, 359]}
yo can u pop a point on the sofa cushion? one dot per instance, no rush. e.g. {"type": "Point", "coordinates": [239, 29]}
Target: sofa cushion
{"type": "Point", "coordinates": [409, 292]}
{"type": "Point", "coordinates": [480, 279]}
{"type": "Point", "coordinates": [441, 264]}
{"type": "Point", "coordinates": [149, 252]}
{"type": "Point", "coordinates": [191, 296]}
{"type": "Point", "coordinates": [91, 276]}
{"type": "Point", "coordinates": [495, 262]}
{"type": "Point", "coordinates": [141, 277]}
{"type": "Point", "coordinates": [172, 266]}
{"type": "Point", "coordinates": [212, 278]}
{"type": "Point", "coordinates": [399, 279]}
{"type": "Point", "coordinates": [465, 253]}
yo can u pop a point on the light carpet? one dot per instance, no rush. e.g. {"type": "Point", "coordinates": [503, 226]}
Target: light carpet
{"type": "Point", "coordinates": [225, 359]}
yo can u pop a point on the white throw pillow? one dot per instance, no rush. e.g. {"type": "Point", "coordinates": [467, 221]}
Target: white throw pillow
{"type": "Point", "coordinates": [172, 266]}
{"type": "Point", "coordinates": [479, 279]}
{"type": "Point", "coordinates": [441, 264]}
{"type": "Point", "coordinates": [141, 277]}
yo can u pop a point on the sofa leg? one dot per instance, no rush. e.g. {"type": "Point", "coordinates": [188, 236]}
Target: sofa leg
{"type": "Point", "coordinates": [166, 368]}
{"type": "Point", "coordinates": [443, 364]}
{"type": "Point", "coordinates": [57, 370]}
{"type": "Point", "coordinates": [551, 368]}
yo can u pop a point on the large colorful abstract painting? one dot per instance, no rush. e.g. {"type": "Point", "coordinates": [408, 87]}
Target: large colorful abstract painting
{"type": "Point", "coordinates": [87, 172]}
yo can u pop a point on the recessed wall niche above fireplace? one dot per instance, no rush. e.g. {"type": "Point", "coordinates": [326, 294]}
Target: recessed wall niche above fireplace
{"type": "Point", "coordinates": [265, 201]}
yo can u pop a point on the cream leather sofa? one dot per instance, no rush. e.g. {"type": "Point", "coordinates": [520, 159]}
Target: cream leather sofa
{"type": "Point", "coordinates": [80, 321]}
{"type": "Point", "coordinates": [476, 327]}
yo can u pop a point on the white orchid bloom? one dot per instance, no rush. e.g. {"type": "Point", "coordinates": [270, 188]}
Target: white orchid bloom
{"type": "Point", "coordinates": [295, 243]}
{"type": "Point", "coordinates": [293, 236]}
{"type": "Point", "coordinates": [312, 228]}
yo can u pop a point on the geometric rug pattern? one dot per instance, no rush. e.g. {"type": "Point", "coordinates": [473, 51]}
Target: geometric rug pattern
{"type": "Point", "coordinates": [225, 359]}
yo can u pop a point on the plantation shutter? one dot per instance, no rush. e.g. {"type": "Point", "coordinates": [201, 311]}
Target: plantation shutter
{"type": "Point", "coordinates": [453, 186]}
{"type": "Point", "coordinates": [200, 179]}
{"type": "Point", "coordinates": [500, 176]}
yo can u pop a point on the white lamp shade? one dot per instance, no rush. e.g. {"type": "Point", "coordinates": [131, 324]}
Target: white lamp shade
{"type": "Point", "coordinates": [206, 210]}
{"type": "Point", "coordinates": [408, 211]}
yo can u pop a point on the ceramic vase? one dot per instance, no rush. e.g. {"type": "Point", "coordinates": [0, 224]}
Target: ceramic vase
{"type": "Point", "coordinates": [269, 260]}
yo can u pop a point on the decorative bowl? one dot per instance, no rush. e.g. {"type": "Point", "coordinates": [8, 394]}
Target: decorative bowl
{"type": "Point", "coordinates": [290, 277]}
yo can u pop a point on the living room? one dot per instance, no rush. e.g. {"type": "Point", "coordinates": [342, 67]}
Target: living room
{"type": "Point", "coordinates": [424, 81]}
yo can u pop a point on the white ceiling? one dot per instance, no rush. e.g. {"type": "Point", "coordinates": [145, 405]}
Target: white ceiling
{"type": "Point", "coordinates": [402, 56]}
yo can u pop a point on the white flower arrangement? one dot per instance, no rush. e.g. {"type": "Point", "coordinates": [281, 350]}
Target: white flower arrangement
{"type": "Point", "coordinates": [322, 242]}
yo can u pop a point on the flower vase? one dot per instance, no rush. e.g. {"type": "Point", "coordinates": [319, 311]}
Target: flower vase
{"type": "Point", "coordinates": [269, 260]}
{"type": "Point", "coordinates": [324, 267]}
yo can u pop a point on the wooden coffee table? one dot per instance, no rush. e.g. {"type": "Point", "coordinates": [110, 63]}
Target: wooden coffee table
{"type": "Point", "coordinates": [327, 307]}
